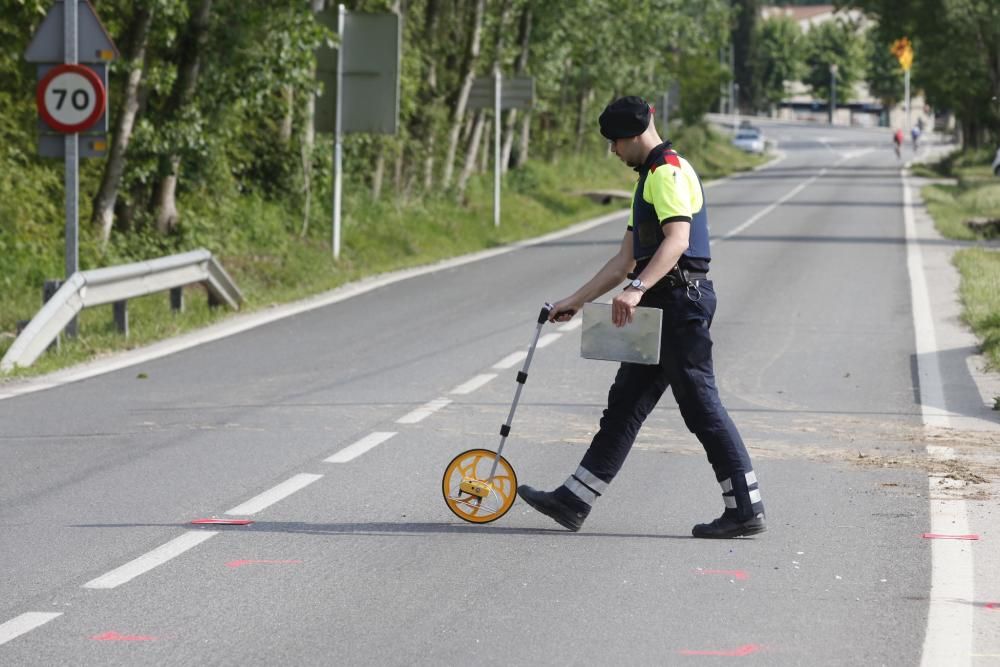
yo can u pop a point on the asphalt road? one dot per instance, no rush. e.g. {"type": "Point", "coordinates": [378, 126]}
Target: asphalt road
{"type": "Point", "coordinates": [362, 563]}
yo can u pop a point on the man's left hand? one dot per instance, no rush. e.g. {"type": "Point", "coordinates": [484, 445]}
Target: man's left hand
{"type": "Point", "coordinates": [623, 307]}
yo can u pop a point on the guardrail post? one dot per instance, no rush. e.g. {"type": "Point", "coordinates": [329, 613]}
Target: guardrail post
{"type": "Point", "coordinates": [213, 302]}
{"type": "Point", "coordinates": [177, 300]}
{"type": "Point", "coordinates": [49, 288]}
{"type": "Point", "coordinates": [121, 316]}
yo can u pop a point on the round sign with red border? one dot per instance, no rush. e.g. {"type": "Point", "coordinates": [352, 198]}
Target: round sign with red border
{"type": "Point", "coordinates": [70, 98]}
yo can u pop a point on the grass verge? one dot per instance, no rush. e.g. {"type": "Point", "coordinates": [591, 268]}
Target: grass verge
{"type": "Point", "coordinates": [258, 242]}
{"type": "Point", "coordinates": [975, 194]}
{"type": "Point", "coordinates": [980, 293]}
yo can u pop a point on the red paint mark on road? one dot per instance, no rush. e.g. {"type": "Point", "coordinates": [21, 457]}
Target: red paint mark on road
{"type": "Point", "coordinates": [224, 522]}
{"type": "Point", "coordinates": [112, 636]}
{"type": "Point", "coordinates": [746, 649]}
{"type": "Point", "coordinates": [941, 536]}
{"type": "Point", "coordinates": [993, 606]}
{"type": "Point", "coordinates": [240, 563]}
{"type": "Point", "coordinates": [735, 574]}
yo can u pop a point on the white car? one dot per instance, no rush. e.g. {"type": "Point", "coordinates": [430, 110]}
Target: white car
{"type": "Point", "coordinates": [996, 164]}
{"type": "Point", "coordinates": [750, 140]}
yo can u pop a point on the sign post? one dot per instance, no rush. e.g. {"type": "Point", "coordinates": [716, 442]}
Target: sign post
{"type": "Point", "coordinates": [72, 159]}
{"type": "Point", "coordinates": [360, 86]}
{"type": "Point", "coordinates": [902, 48]}
{"type": "Point", "coordinates": [72, 99]}
{"type": "Point", "coordinates": [493, 92]}
{"type": "Point", "coordinates": [338, 133]}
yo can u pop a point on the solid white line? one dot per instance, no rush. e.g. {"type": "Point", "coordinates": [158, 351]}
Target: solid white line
{"type": "Point", "coordinates": [424, 411]}
{"type": "Point", "coordinates": [473, 384]}
{"type": "Point", "coordinates": [274, 494]}
{"type": "Point", "coordinates": [26, 622]}
{"type": "Point", "coordinates": [948, 638]}
{"type": "Point", "coordinates": [360, 447]}
{"type": "Point", "coordinates": [932, 403]}
{"type": "Point", "coordinates": [548, 339]}
{"type": "Point", "coordinates": [511, 360]}
{"type": "Point", "coordinates": [148, 561]}
{"type": "Point", "coordinates": [571, 325]}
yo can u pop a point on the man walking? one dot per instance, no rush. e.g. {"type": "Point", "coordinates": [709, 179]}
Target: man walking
{"type": "Point", "coordinates": [665, 253]}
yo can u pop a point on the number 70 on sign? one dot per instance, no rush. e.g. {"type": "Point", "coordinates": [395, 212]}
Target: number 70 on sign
{"type": "Point", "coordinates": [71, 98]}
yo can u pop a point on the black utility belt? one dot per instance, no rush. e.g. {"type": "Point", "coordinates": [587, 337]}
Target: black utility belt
{"type": "Point", "coordinates": [676, 278]}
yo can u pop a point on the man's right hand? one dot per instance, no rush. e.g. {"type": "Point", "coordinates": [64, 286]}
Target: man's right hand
{"type": "Point", "coordinates": [563, 311]}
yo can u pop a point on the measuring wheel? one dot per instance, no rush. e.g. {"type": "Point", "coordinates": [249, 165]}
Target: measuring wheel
{"type": "Point", "coordinates": [471, 493]}
{"type": "Point", "coordinates": [479, 486]}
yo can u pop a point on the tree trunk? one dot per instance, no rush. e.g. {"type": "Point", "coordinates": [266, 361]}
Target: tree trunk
{"type": "Point", "coordinates": [377, 175]}
{"type": "Point", "coordinates": [397, 173]}
{"type": "Point", "coordinates": [581, 117]}
{"type": "Point", "coordinates": [107, 196]}
{"type": "Point", "coordinates": [524, 38]}
{"type": "Point", "coordinates": [309, 141]}
{"type": "Point", "coordinates": [428, 173]}
{"type": "Point", "coordinates": [463, 94]}
{"type": "Point", "coordinates": [484, 152]}
{"type": "Point", "coordinates": [285, 130]}
{"type": "Point", "coordinates": [470, 155]}
{"type": "Point", "coordinates": [165, 199]}
{"type": "Point", "coordinates": [522, 153]}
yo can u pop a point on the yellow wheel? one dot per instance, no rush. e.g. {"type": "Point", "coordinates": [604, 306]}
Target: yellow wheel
{"type": "Point", "coordinates": [468, 493]}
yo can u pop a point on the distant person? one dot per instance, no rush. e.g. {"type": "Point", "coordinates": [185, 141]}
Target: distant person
{"type": "Point", "coordinates": [665, 253]}
{"type": "Point", "coordinates": [915, 135]}
{"type": "Point", "coordinates": [897, 141]}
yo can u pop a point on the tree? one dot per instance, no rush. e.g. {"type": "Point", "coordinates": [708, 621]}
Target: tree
{"type": "Point", "coordinates": [114, 168]}
{"type": "Point", "coordinates": [744, 36]}
{"type": "Point", "coordinates": [180, 104]}
{"type": "Point", "coordinates": [471, 60]}
{"type": "Point", "coordinates": [778, 57]}
{"type": "Point", "coordinates": [956, 63]}
{"type": "Point", "coordinates": [837, 43]}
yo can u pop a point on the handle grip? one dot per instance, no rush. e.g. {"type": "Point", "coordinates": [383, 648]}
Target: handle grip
{"type": "Point", "coordinates": [547, 311]}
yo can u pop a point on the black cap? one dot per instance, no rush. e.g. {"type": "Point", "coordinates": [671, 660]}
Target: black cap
{"type": "Point", "coordinates": [625, 117]}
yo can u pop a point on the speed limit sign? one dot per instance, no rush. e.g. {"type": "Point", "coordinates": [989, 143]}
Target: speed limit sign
{"type": "Point", "coordinates": [70, 98]}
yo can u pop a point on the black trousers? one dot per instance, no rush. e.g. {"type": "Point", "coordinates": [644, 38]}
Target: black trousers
{"type": "Point", "coordinates": [686, 368]}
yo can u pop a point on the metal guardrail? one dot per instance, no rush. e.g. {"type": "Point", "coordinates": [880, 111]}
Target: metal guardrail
{"type": "Point", "coordinates": [116, 284]}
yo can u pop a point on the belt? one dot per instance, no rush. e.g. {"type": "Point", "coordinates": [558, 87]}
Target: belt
{"type": "Point", "coordinates": [673, 281]}
{"type": "Point", "coordinates": [676, 278]}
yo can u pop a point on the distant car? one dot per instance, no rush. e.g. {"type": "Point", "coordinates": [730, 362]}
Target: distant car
{"type": "Point", "coordinates": [749, 140]}
{"type": "Point", "coordinates": [996, 164]}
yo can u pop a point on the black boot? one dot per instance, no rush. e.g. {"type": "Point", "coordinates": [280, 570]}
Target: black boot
{"type": "Point", "coordinates": [553, 505]}
{"type": "Point", "coordinates": [725, 527]}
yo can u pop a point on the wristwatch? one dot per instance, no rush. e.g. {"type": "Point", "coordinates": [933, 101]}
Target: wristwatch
{"type": "Point", "coordinates": [637, 284]}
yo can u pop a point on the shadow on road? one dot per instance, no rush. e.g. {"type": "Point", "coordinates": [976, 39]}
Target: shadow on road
{"type": "Point", "coordinates": [387, 528]}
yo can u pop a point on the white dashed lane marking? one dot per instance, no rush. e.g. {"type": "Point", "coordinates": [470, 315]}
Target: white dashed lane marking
{"type": "Point", "coordinates": [274, 494]}
{"type": "Point", "coordinates": [548, 339]}
{"type": "Point", "coordinates": [473, 384]}
{"type": "Point", "coordinates": [148, 561]}
{"type": "Point", "coordinates": [424, 411]}
{"type": "Point", "coordinates": [511, 360]}
{"type": "Point", "coordinates": [360, 447]}
{"type": "Point", "coordinates": [26, 622]}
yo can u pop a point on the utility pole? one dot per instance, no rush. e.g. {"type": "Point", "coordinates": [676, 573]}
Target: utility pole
{"type": "Point", "coordinates": [833, 91]}
{"type": "Point", "coordinates": [736, 107]}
